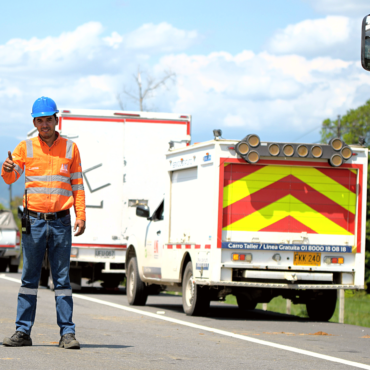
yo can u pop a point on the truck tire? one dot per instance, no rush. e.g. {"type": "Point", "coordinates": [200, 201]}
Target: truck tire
{"type": "Point", "coordinates": [322, 305]}
{"type": "Point", "coordinates": [44, 277]}
{"type": "Point", "coordinates": [13, 268]}
{"type": "Point", "coordinates": [195, 299]}
{"type": "Point", "coordinates": [135, 289]}
{"type": "Point", "coordinates": [3, 264]}
{"type": "Point", "coordinates": [244, 303]}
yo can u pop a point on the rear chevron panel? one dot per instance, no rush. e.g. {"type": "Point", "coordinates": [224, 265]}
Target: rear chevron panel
{"type": "Point", "coordinates": [289, 199]}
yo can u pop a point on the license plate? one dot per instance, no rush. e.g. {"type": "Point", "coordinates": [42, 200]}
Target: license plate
{"type": "Point", "coordinates": [102, 253]}
{"type": "Point", "coordinates": [307, 259]}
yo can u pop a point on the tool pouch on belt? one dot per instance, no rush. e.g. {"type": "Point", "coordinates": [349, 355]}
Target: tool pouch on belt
{"type": "Point", "coordinates": [26, 224]}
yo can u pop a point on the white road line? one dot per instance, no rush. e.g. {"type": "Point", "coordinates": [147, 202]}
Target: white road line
{"type": "Point", "coordinates": [3, 276]}
{"type": "Point", "coordinates": [214, 330]}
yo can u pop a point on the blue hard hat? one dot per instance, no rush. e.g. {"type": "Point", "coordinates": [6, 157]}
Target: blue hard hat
{"type": "Point", "coordinates": [44, 107]}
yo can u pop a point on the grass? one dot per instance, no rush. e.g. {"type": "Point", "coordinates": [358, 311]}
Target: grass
{"type": "Point", "coordinates": [356, 308]}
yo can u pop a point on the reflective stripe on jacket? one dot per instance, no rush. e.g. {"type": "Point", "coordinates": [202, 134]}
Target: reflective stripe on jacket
{"type": "Point", "coordinates": [53, 175]}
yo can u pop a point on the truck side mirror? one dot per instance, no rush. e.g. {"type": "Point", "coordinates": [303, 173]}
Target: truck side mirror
{"type": "Point", "coordinates": [142, 211]}
{"type": "Point", "coordinates": [365, 43]}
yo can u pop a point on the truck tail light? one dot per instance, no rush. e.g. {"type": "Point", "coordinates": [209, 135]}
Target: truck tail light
{"type": "Point", "coordinates": [245, 257]}
{"type": "Point", "coordinates": [18, 239]}
{"type": "Point", "coordinates": [74, 252]}
{"type": "Point", "coordinates": [126, 114]}
{"type": "Point", "coordinates": [334, 260]}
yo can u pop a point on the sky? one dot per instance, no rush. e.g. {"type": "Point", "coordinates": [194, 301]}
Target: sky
{"type": "Point", "coordinates": [276, 68]}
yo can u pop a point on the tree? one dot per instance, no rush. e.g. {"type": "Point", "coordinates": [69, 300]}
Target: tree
{"type": "Point", "coordinates": [145, 89]}
{"type": "Point", "coordinates": [352, 126]}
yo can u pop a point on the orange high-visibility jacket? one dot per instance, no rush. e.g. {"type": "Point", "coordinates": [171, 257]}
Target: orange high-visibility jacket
{"type": "Point", "coordinates": [53, 175]}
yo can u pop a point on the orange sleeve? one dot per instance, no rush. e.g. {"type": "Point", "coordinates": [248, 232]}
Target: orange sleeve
{"type": "Point", "coordinates": [19, 158]}
{"type": "Point", "coordinates": [78, 184]}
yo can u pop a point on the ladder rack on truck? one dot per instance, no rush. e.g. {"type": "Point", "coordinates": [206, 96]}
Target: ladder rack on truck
{"type": "Point", "coordinates": [256, 220]}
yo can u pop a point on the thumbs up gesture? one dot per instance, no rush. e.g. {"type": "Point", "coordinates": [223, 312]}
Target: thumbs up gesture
{"type": "Point", "coordinates": [9, 164]}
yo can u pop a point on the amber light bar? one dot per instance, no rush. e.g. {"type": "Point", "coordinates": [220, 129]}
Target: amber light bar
{"type": "Point", "coordinates": [251, 150]}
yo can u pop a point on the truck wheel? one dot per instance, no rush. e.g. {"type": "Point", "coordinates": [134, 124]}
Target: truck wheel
{"type": "Point", "coordinates": [244, 303]}
{"type": "Point", "coordinates": [44, 277]}
{"type": "Point", "coordinates": [321, 306]}
{"type": "Point", "coordinates": [195, 299]}
{"type": "Point", "coordinates": [135, 289]}
{"type": "Point", "coordinates": [13, 268]}
{"type": "Point", "coordinates": [3, 264]}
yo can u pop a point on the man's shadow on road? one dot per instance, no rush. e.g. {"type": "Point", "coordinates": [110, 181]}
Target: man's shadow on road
{"type": "Point", "coordinates": [110, 346]}
{"type": "Point", "coordinates": [222, 311]}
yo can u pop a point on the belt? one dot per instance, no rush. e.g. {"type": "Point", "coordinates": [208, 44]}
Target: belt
{"type": "Point", "coordinates": [47, 216]}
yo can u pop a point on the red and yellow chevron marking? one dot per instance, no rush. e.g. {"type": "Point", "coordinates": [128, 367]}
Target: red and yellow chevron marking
{"type": "Point", "coordinates": [289, 199]}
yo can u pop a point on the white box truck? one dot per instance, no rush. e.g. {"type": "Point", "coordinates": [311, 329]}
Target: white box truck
{"type": "Point", "coordinates": [257, 220]}
{"type": "Point", "coordinates": [10, 248]}
{"type": "Point", "coordinates": [123, 162]}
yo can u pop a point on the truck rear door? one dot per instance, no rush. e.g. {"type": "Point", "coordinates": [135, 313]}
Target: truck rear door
{"type": "Point", "coordinates": [302, 204]}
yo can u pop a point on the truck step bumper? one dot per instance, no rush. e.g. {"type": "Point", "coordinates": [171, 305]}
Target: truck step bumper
{"type": "Point", "coordinates": [275, 285]}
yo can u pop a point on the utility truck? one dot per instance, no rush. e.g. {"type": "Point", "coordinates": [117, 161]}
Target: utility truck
{"type": "Point", "coordinates": [257, 220]}
{"type": "Point", "coordinates": [123, 162]}
{"type": "Point", "coordinates": [10, 248]}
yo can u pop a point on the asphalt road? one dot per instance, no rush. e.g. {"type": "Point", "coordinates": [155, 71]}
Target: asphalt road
{"type": "Point", "coordinates": [114, 336]}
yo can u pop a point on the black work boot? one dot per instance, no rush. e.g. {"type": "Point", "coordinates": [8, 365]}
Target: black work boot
{"type": "Point", "coordinates": [18, 339]}
{"type": "Point", "coordinates": [69, 341]}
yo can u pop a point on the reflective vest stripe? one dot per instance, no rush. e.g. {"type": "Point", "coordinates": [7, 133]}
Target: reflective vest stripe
{"type": "Point", "coordinates": [18, 169]}
{"type": "Point", "coordinates": [77, 187]}
{"type": "Point", "coordinates": [58, 191]}
{"type": "Point", "coordinates": [63, 292]}
{"type": "Point", "coordinates": [59, 178]}
{"type": "Point", "coordinates": [76, 175]}
{"type": "Point", "coordinates": [29, 148]}
{"type": "Point", "coordinates": [69, 145]}
{"type": "Point", "coordinates": [27, 291]}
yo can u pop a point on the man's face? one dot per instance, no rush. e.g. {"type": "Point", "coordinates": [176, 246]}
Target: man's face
{"type": "Point", "coordinates": [46, 126]}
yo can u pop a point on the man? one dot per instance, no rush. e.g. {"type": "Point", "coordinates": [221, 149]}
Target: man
{"type": "Point", "coordinates": [53, 185]}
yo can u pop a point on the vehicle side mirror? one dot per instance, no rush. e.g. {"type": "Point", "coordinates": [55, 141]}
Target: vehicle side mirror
{"type": "Point", "coordinates": [20, 211]}
{"type": "Point", "coordinates": [142, 211]}
{"type": "Point", "coordinates": [365, 43]}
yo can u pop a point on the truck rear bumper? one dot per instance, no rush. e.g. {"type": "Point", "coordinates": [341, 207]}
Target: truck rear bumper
{"type": "Point", "coordinates": [10, 252]}
{"type": "Point", "coordinates": [276, 285]}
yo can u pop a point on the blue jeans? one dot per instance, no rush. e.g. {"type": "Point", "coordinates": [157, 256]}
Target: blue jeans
{"type": "Point", "coordinates": [56, 235]}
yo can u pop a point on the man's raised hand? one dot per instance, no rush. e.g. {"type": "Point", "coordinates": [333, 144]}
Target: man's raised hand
{"type": "Point", "coordinates": [9, 164]}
